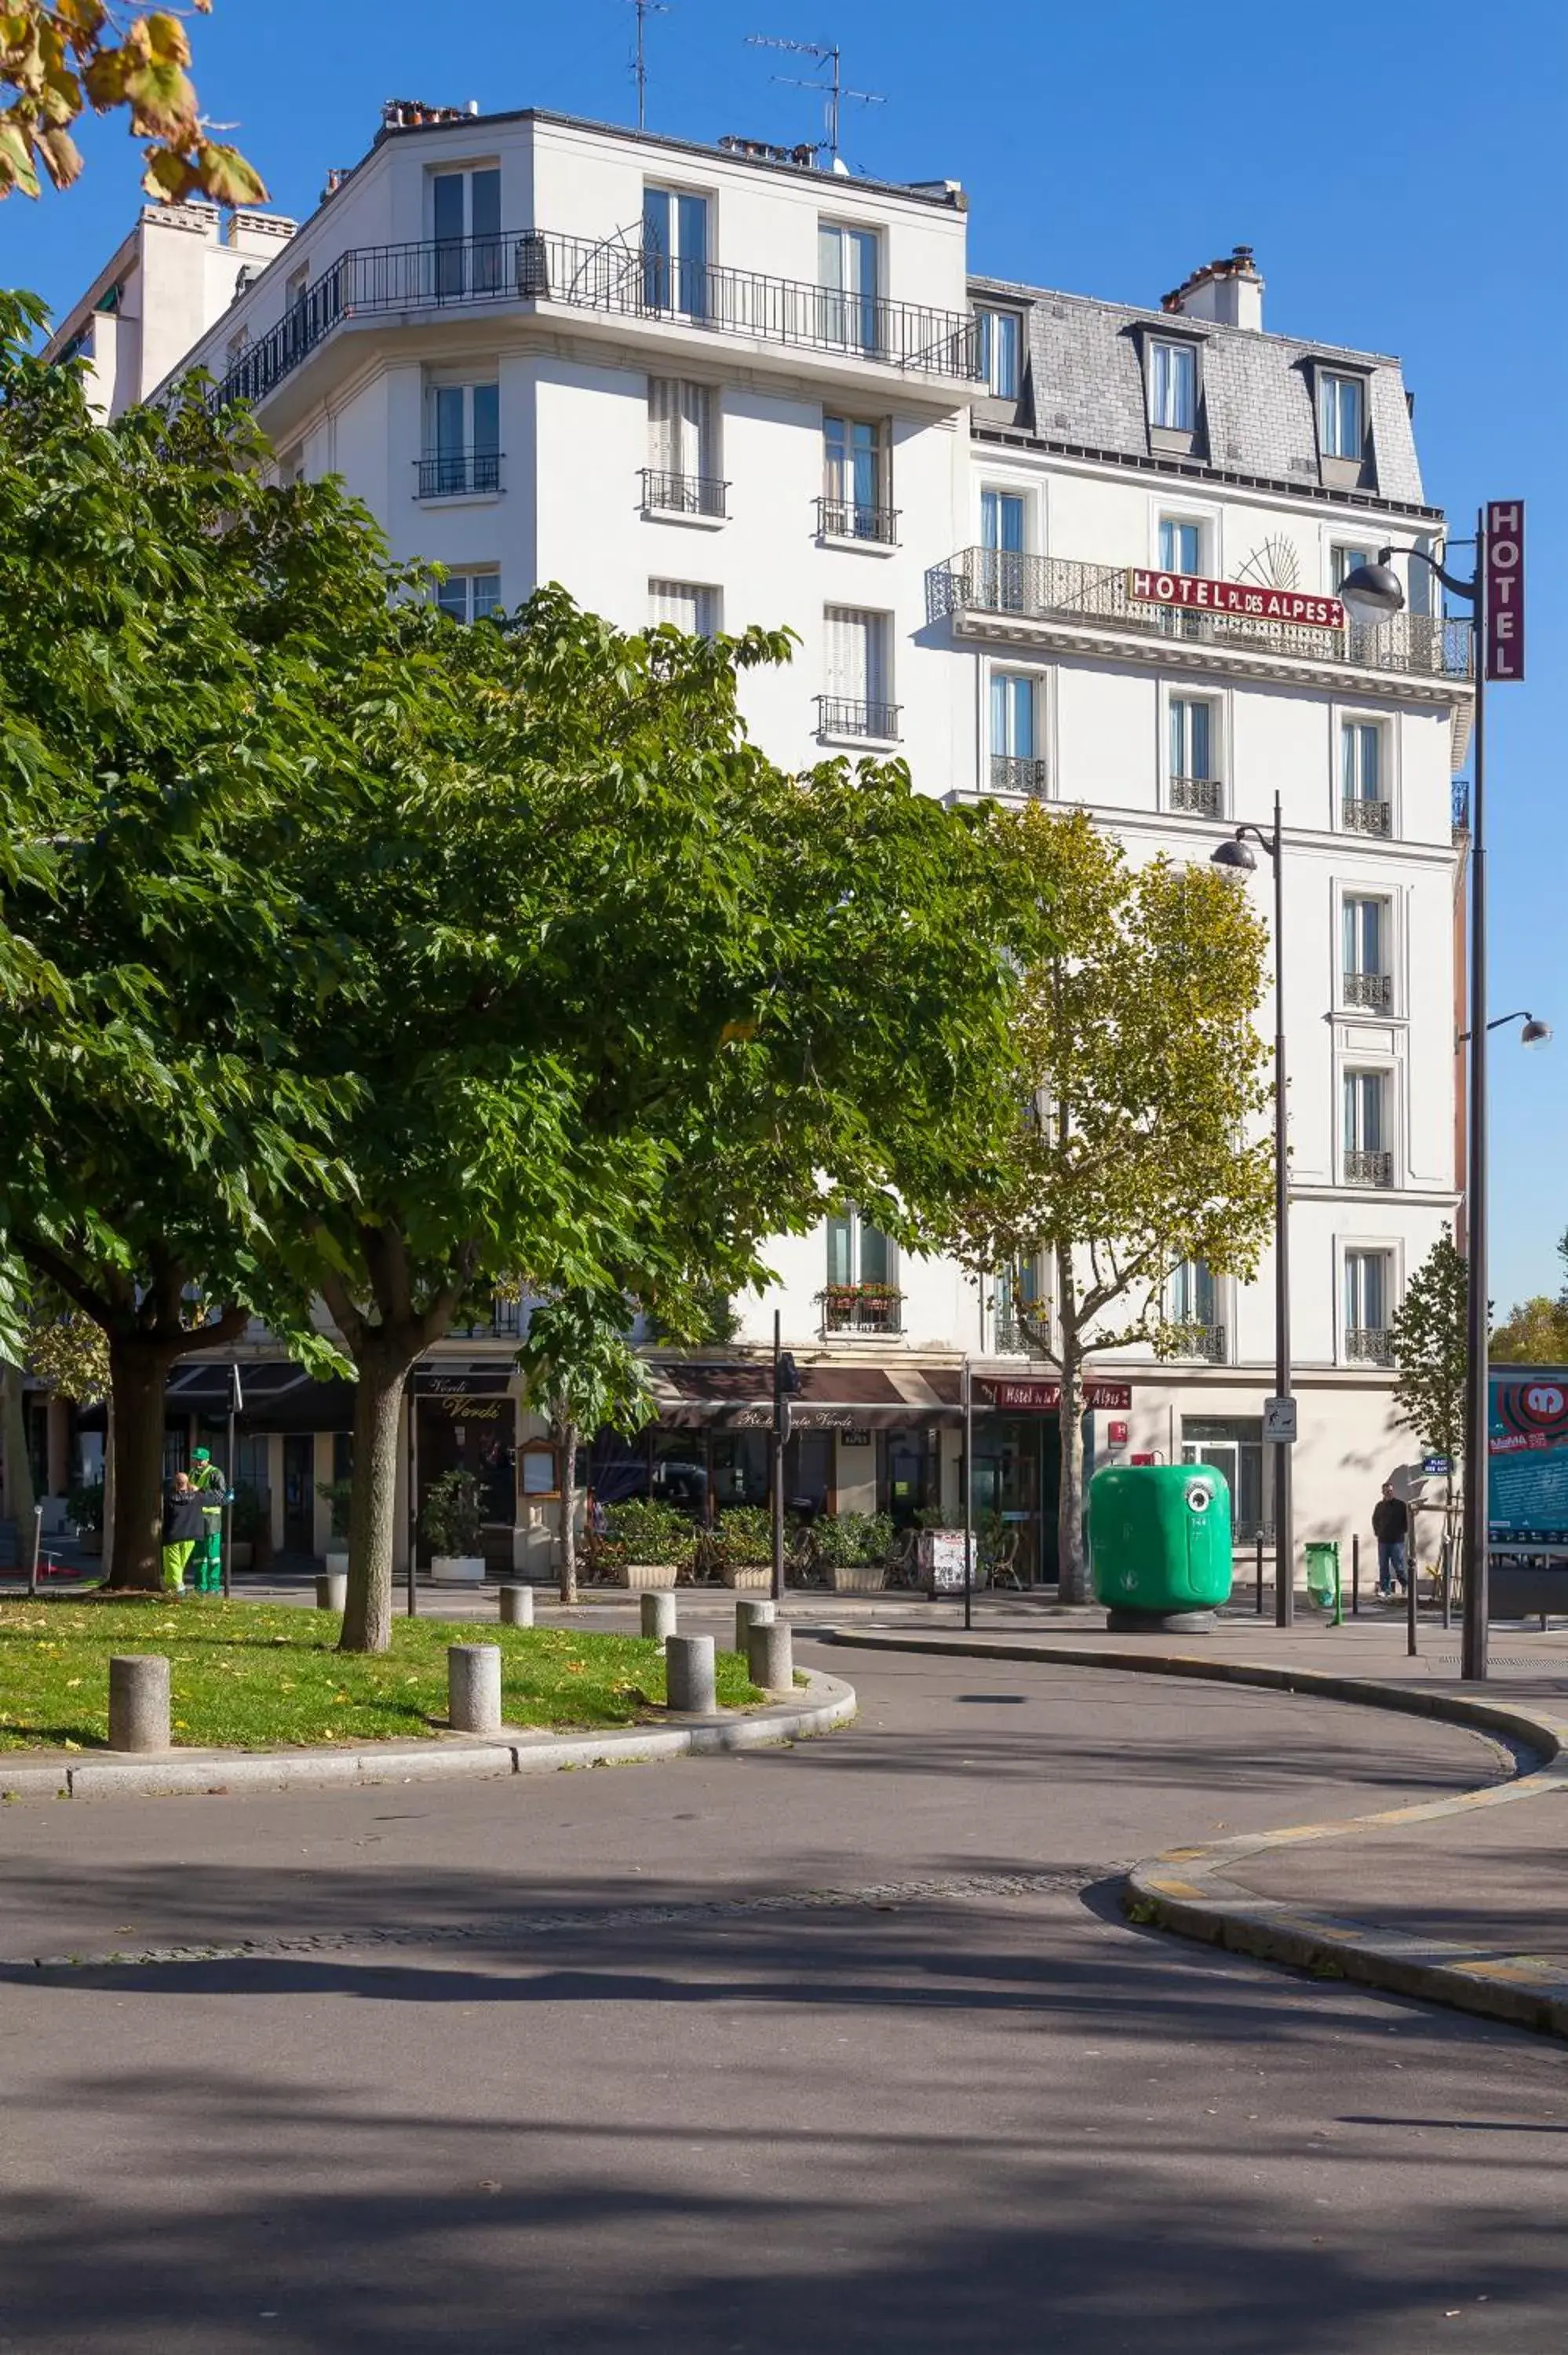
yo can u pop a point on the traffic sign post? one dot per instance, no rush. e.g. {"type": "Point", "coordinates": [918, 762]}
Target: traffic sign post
{"type": "Point", "coordinates": [1279, 1421]}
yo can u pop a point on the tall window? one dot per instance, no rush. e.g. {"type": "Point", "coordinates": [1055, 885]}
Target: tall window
{"type": "Point", "coordinates": [848, 267]}
{"type": "Point", "coordinates": [1015, 763]}
{"type": "Point", "coordinates": [1366, 967]}
{"type": "Point", "coordinates": [1363, 784]}
{"type": "Point", "coordinates": [1233, 1446]}
{"type": "Point", "coordinates": [462, 440]}
{"type": "Point", "coordinates": [465, 209]}
{"type": "Point", "coordinates": [676, 252]}
{"type": "Point", "coordinates": [1191, 738]}
{"type": "Point", "coordinates": [854, 506]}
{"type": "Point", "coordinates": [1173, 387]}
{"type": "Point", "coordinates": [687, 605]}
{"type": "Point", "coordinates": [1367, 1303]}
{"type": "Point", "coordinates": [1364, 1111]}
{"type": "Point", "coordinates": [1341, 429]}
{"type": "Point", "coordinates": [1004, 518]}
{"type": "Point", "coordinates": [862, 1293]}
{"type": "Point", "coordinates": [859, 697]}
{"type": "Point", "coordinates": [1000, 349]}
{"type": "Point", "coordinates": [470, 596]}
{"type": "Point", "coordinates": [1192, 1304]}
{"type": "Point", "coordinates": [683, 463]}
{"type": "Point", "coordinates": [1180, 545]}
{"type": "Point", "coordinates": [1343, 561]}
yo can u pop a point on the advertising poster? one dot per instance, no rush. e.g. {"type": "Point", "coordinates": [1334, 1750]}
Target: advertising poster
{"type": "Point", "coordinates": [1528, 1449]}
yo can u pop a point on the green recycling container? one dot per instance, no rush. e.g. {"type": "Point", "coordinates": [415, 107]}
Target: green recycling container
{"type": "Point", "coordinates": [1160, 1537]}
{"type": "Point", "coordinates": [1323, 1574]}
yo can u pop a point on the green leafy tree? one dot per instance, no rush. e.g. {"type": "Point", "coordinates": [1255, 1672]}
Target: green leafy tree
{"type": "Point", "coordinates": [580, 1369]}
{"type": "Point", "coordinates": [1533, 1333]}
{"type": "Point", "coordinates": [59, 57]}
{"type": "Point", "coordinates": [1143, 1072]}
{"type": "Point", "coordinates": [1431, 1356]}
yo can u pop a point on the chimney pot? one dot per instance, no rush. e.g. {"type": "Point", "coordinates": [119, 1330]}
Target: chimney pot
{"type": "Point", "coordinates": [1229, 292]}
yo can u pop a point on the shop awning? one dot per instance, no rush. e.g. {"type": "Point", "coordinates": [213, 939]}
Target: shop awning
{"type": "Point", "coordinates": [830, 1398]}
{"type": "Point", "coordinates": [277, 1396]}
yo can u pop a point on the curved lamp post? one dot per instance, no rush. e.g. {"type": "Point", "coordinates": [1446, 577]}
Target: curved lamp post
{"type": "Point", "coordinates": [1235, 858]}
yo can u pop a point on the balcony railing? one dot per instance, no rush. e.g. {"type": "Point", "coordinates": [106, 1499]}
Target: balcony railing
{"type": "Point", "coordinates": [614, 274]}
{"type": "Point", "coordinates": [1373, 989]}
{"type": "Point", "coordinates": [452, 475]}
{"type": "Point", "coordinates": [1059, 589]}
{"type": "Point", "coordinates": [1011, 1338]}
{"type": "Point", "coordinates": [1011, 772]}
{"type": "Point", "coordinates": [862, 1308]}
{"type": "Point", "coordinates": [1362, 1168]}
{"type": "Point", "coordinates": [505, 1323]}
{"type": "Point", "coordinates": [1359, 816]}
{"type": "Point", "coordinates": [1201, 796]}
{"type": "Point", "coordinates": [848, 520]}
{"type": "Point", "coordinates": [840, 715]}
{"type": "Point", "coordinates": [1205, 1341]}
{"type": "Point", "coordinates": [1370, 1344]}
{"type": "Point", "coordinates": [693, 495]}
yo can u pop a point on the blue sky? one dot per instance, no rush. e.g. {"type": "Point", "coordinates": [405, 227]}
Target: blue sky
{"type": "Point", "coordinates": [1399, 167]}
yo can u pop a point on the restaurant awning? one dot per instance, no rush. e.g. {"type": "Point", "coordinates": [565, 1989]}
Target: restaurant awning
{"type": "Point", "coordinates": [830, 1398]}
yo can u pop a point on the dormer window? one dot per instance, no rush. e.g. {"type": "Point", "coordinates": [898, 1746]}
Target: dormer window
{"type": "Point", "coordinates": [1000, 343]}
{"type": "Point", "coordinates": [1341, 416]}
{"type": "Point", "coordinates": [1173, 387]}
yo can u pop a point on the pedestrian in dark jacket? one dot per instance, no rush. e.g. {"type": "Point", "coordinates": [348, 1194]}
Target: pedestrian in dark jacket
{"type": "Point", "coordinates": [1391, 1526]}
{"type": "Point", "coordinates": [184, 1530]}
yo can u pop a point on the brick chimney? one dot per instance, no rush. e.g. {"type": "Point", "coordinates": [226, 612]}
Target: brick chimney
{"type": "Point", "coordinates": [1230, 292]}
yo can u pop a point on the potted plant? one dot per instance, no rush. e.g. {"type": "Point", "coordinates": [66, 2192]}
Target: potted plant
{"type": "Point", "coordinates": [453, 1524]}
{"type": "Point", "coordinates": [853, 1548]}
{"type": "Point", "coordinates": [84, 1506]}
{"type": "Point", "coordinates": [743, 1539]}
{"type": "Point", "coordinates": [651, 1543]}
{"type": "Point", "coordinates": [337, 1494]}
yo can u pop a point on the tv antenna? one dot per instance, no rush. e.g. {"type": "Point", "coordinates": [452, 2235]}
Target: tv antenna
{"type": "Point", "coordinates": [833, 90]}
{"type": "Point", "coordinates": [645, 8]}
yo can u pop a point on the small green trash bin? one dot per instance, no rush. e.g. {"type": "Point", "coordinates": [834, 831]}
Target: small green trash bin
{"type": "Point", "coordinates": [1159, 1540]}
{"type": "Point", "coordinates": [1323, 1573]}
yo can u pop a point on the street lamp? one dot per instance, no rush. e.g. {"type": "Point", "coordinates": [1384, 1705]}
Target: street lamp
{"type": "Point", "coordinates": [1535, 1033]}
{"type": "Point", "coordinates": [1373, 593]}
{"type": "Point", "coordinates": [1235, 858]}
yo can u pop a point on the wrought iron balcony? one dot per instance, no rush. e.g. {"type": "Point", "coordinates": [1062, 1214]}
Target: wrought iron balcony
{"type": "Point", "coordinates": [1362, 1168]}
{"type": "Point", "coordinates": [848, 520]}
{"type": "Point", "coordinates": [1201, 796]}
{"type": "Point", "coordinates": [842, 715]}
{"type": "Point", "coordinates": [615, 274]}
{"type": "Point", "coordinates": [1011, 1338]}
{"type": "Point", "coordinates": [1359, 816]}
{"type": "Point", "coordinates": [1059, 589]}
{"type": "Point", "coordinates": [1372, 989]}
{"type": "Point", "coordinates": [1205, 1341]}
{"type": "Point", "coordinates": [452, 475]}
{"type": "Point", "coordinates": [693, 495]}
{"type": "Point", "coordinates": [1010, 772]}
{"type": "Point", "coordinates": [505, 1323]}
{"type": "Point", "coordinates": [1370, 1344]}
{"type": "Point", "coordinates": [862, 1308]}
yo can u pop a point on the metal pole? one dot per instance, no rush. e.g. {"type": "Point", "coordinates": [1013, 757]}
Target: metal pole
{"type": "Point", "coordinates": [413, 1500]}
{"type": "Point", "coordinates": [1472, 1640]}
{"type": "Point", "coordinates": [969, 1496]}
{"type": "Point", "coordinates": [778, 1453]}
{"type": "Point", "coordinates": [1356, 1576]}
{"type": "Point", "coordinates": [37, 1543]}
{"type": "Point", "coordinates": [1410, 1582]}
{"type": "Point", "coordinates": [1259, 1573]}
{"type": "Point", "coordinates": [1283, 1531]}
{"type": "Point", "coordinates": [228, 1494]}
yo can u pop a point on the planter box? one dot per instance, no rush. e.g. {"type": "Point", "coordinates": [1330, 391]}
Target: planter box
{"type": "Point", "coordinates": [337, 1566]}
{"type": "Point", "coordinates": [857, 1577]}
{"type": "Point", "coordinates": [748, 1577]}
{"type": "Point", "coordinates": [645, 1577]}
{"type": "Point", "coordinates": [467, 1568]}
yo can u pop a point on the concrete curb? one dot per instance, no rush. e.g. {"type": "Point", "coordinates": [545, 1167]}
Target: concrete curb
{"type": "Point", "coordinates": [827, 1702]}
{"type": "Point", "coordinates": [1190, 1889]}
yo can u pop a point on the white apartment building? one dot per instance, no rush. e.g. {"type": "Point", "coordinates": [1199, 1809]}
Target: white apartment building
{"type": "Point", "coordinates": [717, 385]}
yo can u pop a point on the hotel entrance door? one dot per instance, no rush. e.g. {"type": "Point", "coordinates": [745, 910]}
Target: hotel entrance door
{"type": "Point", "coordinates": [1018, 1477]}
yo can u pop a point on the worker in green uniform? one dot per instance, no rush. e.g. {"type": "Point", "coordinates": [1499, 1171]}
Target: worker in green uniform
{"type": "Point", "coordinates": [211, 1486]}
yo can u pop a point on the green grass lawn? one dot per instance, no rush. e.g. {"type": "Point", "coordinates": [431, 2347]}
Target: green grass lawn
{"type": "Point", "coordinates": [249, 1676]}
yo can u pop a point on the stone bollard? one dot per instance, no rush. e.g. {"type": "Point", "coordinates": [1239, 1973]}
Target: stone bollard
{"type": "Point", "coordinates": [139, 1702]}
{"type": "Point", "coordinates": [658, 1616]}
{"type": "Point", "coordinates": [689, 1673]}
{"type": "Point", "coordinates": [770, 1656]}
{"type": "Point", "coordinates": [750, 1614]}
{"type": "Point", "coordinates": [473, 1688]}
{"type": "Point", "coordinates": [517, 1606]}
{"type": "Point", "coordinates": [332, 1592]}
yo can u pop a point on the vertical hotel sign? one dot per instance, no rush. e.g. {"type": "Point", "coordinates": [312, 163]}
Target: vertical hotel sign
{"type": "Point", "coordinates": [1505, 589]}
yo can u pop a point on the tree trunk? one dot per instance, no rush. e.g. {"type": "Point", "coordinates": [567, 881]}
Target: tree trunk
{"type": "Point", "coordinates": [17, 1500]}
{"type": "Point", "coordinates": [568, 1512]}
{"type": "Point", "coordinates": [377, 1416]}
{"type": "Point", "coordinates": [1071, 1561]}
{"type": "Point", "coordinates": [110, 1488]}
{"type": "Point", "coordinates": [138, 1379]}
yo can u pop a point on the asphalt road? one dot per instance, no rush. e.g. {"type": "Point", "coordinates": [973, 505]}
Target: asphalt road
{"type": "Point", "coordinates": [843, 2047]}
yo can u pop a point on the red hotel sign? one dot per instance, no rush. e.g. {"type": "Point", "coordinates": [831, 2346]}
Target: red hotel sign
{"type": "Point", "coordinates": [1191, 592]}
{"type": "Point", "coordinates": [1044, 1398]}
{"type": "Point", "coordinates": [1505, 589]}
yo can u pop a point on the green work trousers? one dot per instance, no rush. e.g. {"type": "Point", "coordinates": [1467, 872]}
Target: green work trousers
{"type": "Point", "coordinates": [210, 1556]}
{"type": "Point", "coordinates": [176, 1557]}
